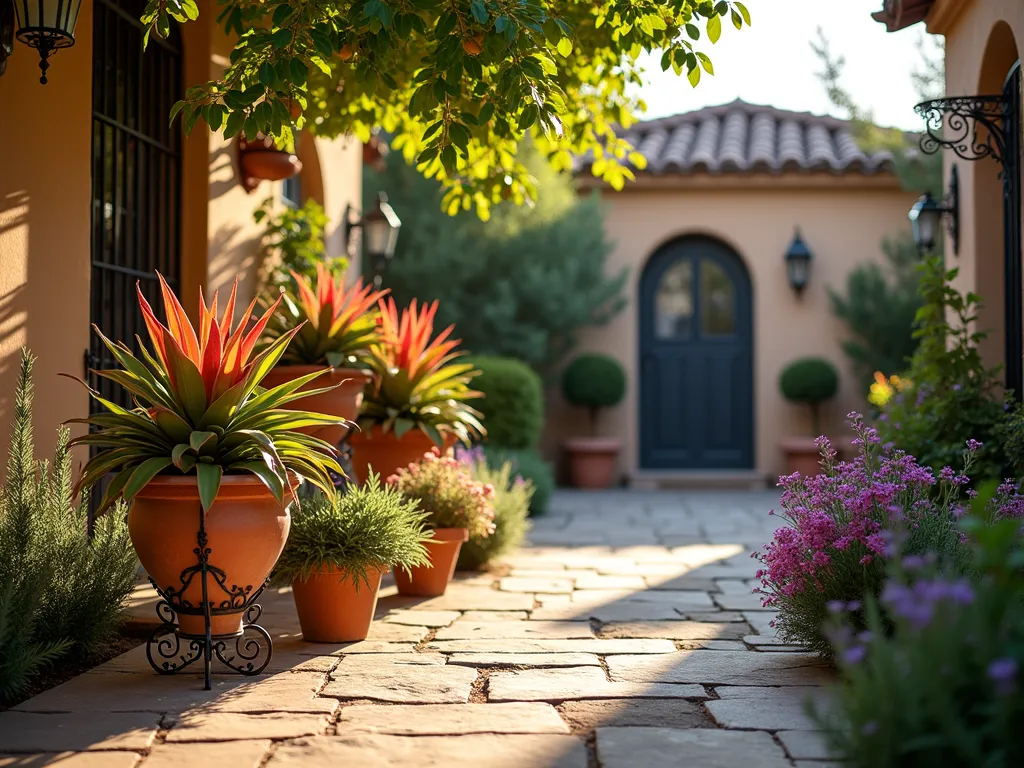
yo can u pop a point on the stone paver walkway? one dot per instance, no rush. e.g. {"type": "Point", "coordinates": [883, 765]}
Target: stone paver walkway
{"type": "Point", "coordinates": [625, 636]}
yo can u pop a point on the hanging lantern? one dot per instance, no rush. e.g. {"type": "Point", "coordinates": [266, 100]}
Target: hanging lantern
{"type": "Point", "coordinates": [47, 25]}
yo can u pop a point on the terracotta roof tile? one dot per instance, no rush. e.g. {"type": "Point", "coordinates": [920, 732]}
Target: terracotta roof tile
{"type": "Point", "coordinates": [744, 138]}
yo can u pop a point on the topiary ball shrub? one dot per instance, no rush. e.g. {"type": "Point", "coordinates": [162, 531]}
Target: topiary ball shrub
{"type": "Point", "coordinates": [513, 401]}
{"type": "Point", "coordinates": [811, 381]}
{"type": "Point", "coordinates": [530, 466]}
{"type": "Point", "coordinates": [594, 381]}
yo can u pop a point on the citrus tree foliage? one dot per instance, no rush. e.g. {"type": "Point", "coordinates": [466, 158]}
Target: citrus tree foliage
{"type": "Point", "coordinates": [458, 82]}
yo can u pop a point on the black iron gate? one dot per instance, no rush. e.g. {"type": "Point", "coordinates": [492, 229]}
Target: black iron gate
{"type": "Point", "coordinates": [136, 176]}
{"type": "Point", "coordinates": [1011, 232]}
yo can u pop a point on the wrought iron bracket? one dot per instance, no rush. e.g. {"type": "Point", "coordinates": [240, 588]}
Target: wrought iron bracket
{"type": "Point", "coordinates": [247, 652]}
{"type": "Point", "coordinates": [954, 123]}
{"type": "Point", "coordinates": [950, 209]}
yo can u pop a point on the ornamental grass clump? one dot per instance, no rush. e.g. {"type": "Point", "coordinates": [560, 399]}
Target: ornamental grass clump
{"type": "Point", "coordinates": [369, 527]}
{"type": "Point", "coordinates": [844, 524]}
{"type": "Point", "coordinates": [448, 494]}
{"type": "Point", "coordinates": [511, 503]}
{"type": "Point", "coordinates": [937, 677]}
{"type": "Point", "coordinates": [332, 325]}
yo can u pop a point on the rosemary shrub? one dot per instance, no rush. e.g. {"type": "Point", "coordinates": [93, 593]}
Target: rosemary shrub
{"type": "Point", "coordinates": [368, 527]}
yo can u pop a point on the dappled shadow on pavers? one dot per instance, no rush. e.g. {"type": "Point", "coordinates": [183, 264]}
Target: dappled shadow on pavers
{"type": "Point", "coordinates": [626, 631]}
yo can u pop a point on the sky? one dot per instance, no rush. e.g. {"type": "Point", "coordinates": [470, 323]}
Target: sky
{"type": "Point", "coordinates": [771, 62]}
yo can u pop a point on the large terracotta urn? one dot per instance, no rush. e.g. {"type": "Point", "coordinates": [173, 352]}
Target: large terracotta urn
{"type": "Point", "coordinates": [246, 528]}
{"type": "Point", "coordinates": [386, 453]}
{"type": "Point", "coordinates": [343, 401]}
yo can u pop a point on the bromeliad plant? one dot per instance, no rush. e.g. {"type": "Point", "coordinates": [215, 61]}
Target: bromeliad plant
{"type": "Point", "coordinates": [200, 408]}
{"type": "Point", "coordinates": [417, 384]}
{"type": "Point", "coordinates": [333, 326]}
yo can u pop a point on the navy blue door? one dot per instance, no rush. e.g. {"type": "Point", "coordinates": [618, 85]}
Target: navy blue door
{"type": "Point", "coordinates": [696, 358]}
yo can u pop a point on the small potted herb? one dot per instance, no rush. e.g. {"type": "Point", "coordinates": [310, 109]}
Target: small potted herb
{"type": "Point", "coordinates": [337, 552]}
{"type": "Point", "coordinates": [204, 437]}
{"type": "Point", "coordinates": [418, 397]}
{"type": "Point", "coordinates": [593, 382]}
{"type": "Point", "coordinates": [809, 381]}
{"type": "Point", "coordinates": [457, 507]}
{"type": "Point", "coordinates": [334, 329]}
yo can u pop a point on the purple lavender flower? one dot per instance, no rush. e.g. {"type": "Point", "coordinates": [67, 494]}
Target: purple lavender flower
{"type": "Point", "coordinates": [835, 606]}
{"type": "Point", "coordinates": [1003, 672]}
{"type": "Point", "coordinates": [974, 445]}
{"type": "Point", "coordinates": [855, 654]}
{"type": "Point", "coordinates": [912, 563]}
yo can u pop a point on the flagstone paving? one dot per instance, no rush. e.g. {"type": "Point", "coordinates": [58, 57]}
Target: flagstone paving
{"type": "Point", "coordinates": [625, 636]}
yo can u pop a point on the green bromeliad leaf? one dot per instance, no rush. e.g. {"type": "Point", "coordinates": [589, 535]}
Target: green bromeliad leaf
{"type": "Point", "coordinates": [200, 411]}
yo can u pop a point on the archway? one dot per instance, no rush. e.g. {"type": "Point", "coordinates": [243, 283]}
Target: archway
{"type": "Point", "coordinates": [696, 358]}
{"type": "Point", "coordinates": [1000, 57]}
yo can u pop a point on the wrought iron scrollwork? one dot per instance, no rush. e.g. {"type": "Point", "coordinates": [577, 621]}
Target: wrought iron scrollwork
{"type": "Point", "coordinates": [954, 122]}
{"type": "Point", "coordinates": [247, 652]}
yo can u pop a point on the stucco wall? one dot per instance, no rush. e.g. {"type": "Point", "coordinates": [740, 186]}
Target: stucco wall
{"type": "Point", "coordinates": [983, 40]}
{"type": "Point", "coordinates": [46, 135]}
{"type": "Point", "coordinates": [45, 227]}
{"type": "Point", "coordinates": [843, 225]}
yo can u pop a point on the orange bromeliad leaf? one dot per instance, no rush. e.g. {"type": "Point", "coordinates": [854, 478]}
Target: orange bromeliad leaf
{"type": "Point", "coordinates": [345, 305]}
{"type": "Point", "coordinates": [219, 353]}
{"type": "Point", "coordinates": [340, 325]}
{"type": "Point", "coordinates": [406, 342]}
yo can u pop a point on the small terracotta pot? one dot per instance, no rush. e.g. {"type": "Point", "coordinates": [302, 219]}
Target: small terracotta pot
{"type": "Point", "coordinates": [432, 580]}
{"type": "Point", "coordinates": [261, 160]}
{"type": "Point", "coordinates": [246, 529]}
{"type": "Point", "coordinates": [332, 609]}
{"type": "Point", "coordinates": [343, 401]}
{"type": "Point", "coordinates": [592, 461]}
{"type": "Point", "coordinates": [385, 453]}
{"type": "Point", "coordinates": [802, 456]}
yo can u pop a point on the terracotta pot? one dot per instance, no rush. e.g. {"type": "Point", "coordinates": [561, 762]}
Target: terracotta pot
{"type": "Point", "coordinates": [432, 580]}
{"type": "Point", "coordinates": [260, 160]}
{"type": "Point", "coordinates": [592, 461]}
{"type": "Point", "coordinates": [385, 453]}
{"type": "Point", "coordinates": [343, 401]}
{"type": "Point", "coordinates": [802, 456]}
{"type": "Point", "coordinates": [331, 608]}
{"type": "Point", "coordinates": [246, 529]}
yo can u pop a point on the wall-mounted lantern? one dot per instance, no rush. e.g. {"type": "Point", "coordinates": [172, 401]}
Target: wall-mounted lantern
{"type": "Point", "coordinates": [798, 263]}
{"type": "Point", "coordinates": [380, 234]}
{"type": "Point", "coordinates": [47, 25]}
{"type": "Point", "coordinates": [927, 213]}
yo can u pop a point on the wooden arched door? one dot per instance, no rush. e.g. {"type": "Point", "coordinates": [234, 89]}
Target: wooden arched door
{"type": "Point", "coordinates": [696, 358]}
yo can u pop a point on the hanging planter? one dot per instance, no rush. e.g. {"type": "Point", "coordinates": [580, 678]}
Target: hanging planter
{"type": "Point", "coordinates": [375, 153]}
{"type": "Point", "coordinates": [260, 159]}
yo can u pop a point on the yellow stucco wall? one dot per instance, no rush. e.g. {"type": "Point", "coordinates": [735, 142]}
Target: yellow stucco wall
{"type": "Point", "coordinates": [983, 40]}
{"type": "Point", "coordinates": [841, 223]}
{"type": "Point", "coordinates": [45, 227]}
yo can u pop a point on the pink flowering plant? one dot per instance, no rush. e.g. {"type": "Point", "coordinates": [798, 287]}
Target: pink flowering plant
{"type": "Point", "coordinates": [447, 492]}
{"type": "Point", "coordinates": [843, 526]}
{"type": "Point", "coordinates": [937, 676]}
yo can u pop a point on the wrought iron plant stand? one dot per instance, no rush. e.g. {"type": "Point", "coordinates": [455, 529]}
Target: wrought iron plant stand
{"type": "Point", "coordinates": [247, 651]}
